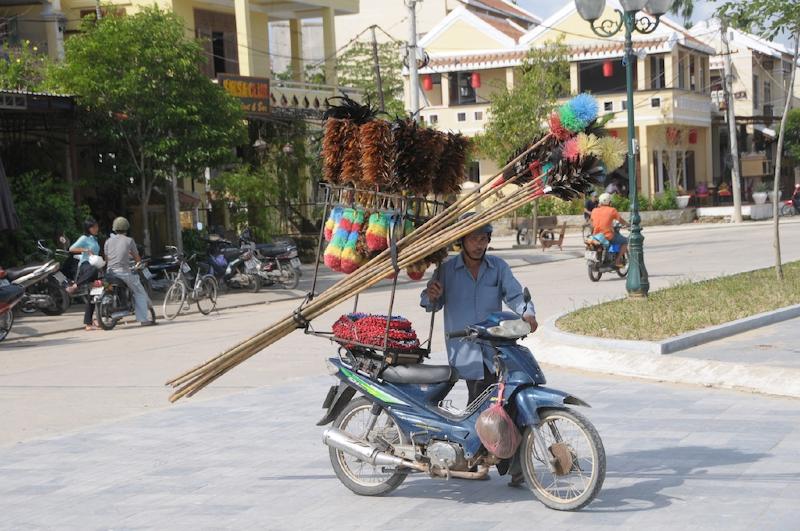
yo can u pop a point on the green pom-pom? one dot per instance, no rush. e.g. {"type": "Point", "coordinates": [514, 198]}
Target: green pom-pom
{"type": "Point", "coordinates": [569, 120]}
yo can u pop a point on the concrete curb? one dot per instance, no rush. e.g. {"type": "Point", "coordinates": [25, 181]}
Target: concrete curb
{"type": "Point", "coordinates": [673, 344]}
{"type": "Point", "coordinates": [780, 381]}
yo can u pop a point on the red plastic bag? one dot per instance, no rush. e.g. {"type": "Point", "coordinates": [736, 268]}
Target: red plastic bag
{"type": "Point", "coordinates": [497, 431]}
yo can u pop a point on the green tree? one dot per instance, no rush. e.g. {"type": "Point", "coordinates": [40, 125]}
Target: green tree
{"type": "Point", "coordinates": [772, 18]}
{"type": "Point", "coordinates": [22, 66]}
{"type": "Point", "coordinates": [356, 68]}
{"type": "Point", "coordinates": [793, 134]}
{"type": "Point", "coordinates": [684, 9]}
{"type": "Point", "coordinates": [140, 79]}
{"type": "Point", "coordinates": [518, 115]}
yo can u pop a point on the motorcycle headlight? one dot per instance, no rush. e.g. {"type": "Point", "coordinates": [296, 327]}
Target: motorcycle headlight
{"type": "Point", "coordinates": [511, 329]}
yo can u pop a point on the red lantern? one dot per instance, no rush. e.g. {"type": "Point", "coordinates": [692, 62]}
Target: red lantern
{"type": "Point", "coordinates": [475, 80]}
{"type": "Point", "coordinates": [693, 136]}
{"type": "Point", "coordinates": [427, 82]}
{"type": "Point", "coordinates": [608, 69]}
{"type": "Point", "coordinates": [614, 133]}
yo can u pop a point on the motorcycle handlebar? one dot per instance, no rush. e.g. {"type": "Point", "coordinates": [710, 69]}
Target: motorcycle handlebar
{"type": "Point", "coordinates": [458, 333]}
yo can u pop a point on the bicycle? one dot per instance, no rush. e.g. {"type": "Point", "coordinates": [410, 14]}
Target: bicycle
{"type": "Point", "coordinates": [203, 292]}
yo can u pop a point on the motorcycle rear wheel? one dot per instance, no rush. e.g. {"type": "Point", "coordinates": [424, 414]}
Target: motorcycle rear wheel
{"type": "Point", "coordinates": [6, 322]}
{"type": "Point", "coordinates": [58, 293]}
{"type": "Point", "coordinates": [594, 273]}
{"type": "Point", "coordinates": [103, 310]}
{"type": "Point", "coordinates": [574, 447]}
{"type": "Point", "coordinates": [360, 477]}
{"type": "Point", "coordinates": [290, 276]}
{"type": "Point", "coordinates": [623, 271]}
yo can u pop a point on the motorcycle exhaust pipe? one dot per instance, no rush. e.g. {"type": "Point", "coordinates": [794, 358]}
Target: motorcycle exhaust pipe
{"type": "Point", "coordinates": [336, 438]}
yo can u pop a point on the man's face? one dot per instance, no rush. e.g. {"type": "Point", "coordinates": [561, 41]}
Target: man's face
{"type": "Point", "coordinates": [475, 244]}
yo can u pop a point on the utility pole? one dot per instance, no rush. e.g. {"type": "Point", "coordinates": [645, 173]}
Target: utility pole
{"type": "Point", "coordinates": [731, 115]}
{"type": "Point", "coordinates": [413, 78]}
{"type": "Point", "coordinates": [176, 211]}
{"type": "Point", "coordinates": [377, 70]}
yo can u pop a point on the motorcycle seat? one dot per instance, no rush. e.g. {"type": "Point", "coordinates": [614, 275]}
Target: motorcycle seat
{"type": "Point", "coordinates": [16, 272]}
{"type": "Point", "coordinates": [273, 249]}
{"type": "Point", "coordinates": [420, 374]}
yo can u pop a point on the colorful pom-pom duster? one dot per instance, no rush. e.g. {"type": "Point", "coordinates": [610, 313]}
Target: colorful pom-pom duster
{"type": "Point", "coordinates": [611, 151]}
{"type": "Point", "coordinates": [333, 252]}
{"type": "Point", "coordinates": [417, 270]}
{"type": "Point", "coordinates": [556, 128]}
{"type": "Point", "coordinates": [332, 221]}
{"type": "Point", "coordinates": [351, 260]}
{"type": "Point", "coordinates": [571, 151]}
{"type": "Point", "coordinates": [569, 120]}
{"type": "Point", "coordinates": [584, 107]}
{"type": "Point", "coordinates": [378, 231]}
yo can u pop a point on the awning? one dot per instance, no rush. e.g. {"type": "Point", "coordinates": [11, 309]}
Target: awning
{"type": "Point", "coordinates": [8, 214]}
{"type": "Point", "coordinates": [766, 131]}
{"type": "Point", "coordinates": [187, 200]}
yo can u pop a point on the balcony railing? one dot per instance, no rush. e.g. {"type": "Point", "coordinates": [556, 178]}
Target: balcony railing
{"type": "Point", "coordinates": [307, 99]}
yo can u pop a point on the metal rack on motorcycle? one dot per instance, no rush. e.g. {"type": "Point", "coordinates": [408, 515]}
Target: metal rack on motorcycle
{"type": "Point", "coordinates": [359, 223]}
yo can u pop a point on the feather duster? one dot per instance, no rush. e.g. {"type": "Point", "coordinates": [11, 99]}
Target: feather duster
{"type": "Point", "coordinates": [611, 151]}
{"type": "Point", "coordinates": [556, 128]}
{"type": "Point", "coordinates": [376, 152]}
{"type": "Point", "coordinates": [351, 156]}
{"type": "Point", "coordinates": [347, 108]}
{"type": "Point", "coordinates": [333, 149]}
{"type": "Point", "coordinates": [437, 257]}
{"type": "Point", "coordinates": [418, 152]}
{"type": "Point", "coordinates": [451, 173]}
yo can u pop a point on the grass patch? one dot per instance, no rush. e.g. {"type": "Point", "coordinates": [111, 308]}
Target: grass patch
{"type": "Point", "coordinates": [688, 306]}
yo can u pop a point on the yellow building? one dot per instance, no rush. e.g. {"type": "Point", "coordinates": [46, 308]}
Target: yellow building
{"type": "Point", "coordinates": [671, 92]}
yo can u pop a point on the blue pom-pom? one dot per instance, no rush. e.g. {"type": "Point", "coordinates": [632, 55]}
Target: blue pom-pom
{"type": "Point", "coordinates": [584, 107]}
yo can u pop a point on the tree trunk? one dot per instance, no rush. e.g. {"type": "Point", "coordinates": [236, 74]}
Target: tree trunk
{"type": "Point", "coordinates": [731, 115]}
{"type": "Point", "coordinates": [176, 211]}
{"type": "Point", "coordinates": [779, 155]}
{"type": "Point", "coordinates": [143, 204]}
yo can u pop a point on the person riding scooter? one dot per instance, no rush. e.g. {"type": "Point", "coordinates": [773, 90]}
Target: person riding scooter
{"type": "Point", "coordinates": [603, 217]}
{"type": "Point", "coordinates": [119, 249]}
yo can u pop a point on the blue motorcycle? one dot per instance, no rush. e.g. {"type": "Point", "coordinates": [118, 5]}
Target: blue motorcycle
{"type": "Point", "coordinates": [402, 424]}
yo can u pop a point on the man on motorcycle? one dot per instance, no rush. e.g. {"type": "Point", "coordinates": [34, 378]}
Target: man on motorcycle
{"type": "Point", "coordinates": [469, 287]}
{"type": "Point", "coordinates": [119, 250]}
{"type": "Point", "coordinates": [603, 217]}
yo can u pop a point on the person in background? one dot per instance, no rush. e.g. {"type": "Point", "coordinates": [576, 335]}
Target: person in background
{"type": "Point", "coordinates": [796, 199]}
{"type": "Point", "coordinates": [87, 246]}
{"type": "Point", "coordinates": [589, 205]}
{"type": "Point", "coordinates": [603, 218]}
{"type": "Point", "coordinates": [120, 249]}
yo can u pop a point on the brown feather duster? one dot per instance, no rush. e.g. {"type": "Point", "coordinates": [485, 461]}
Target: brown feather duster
{"type": "Point", "coordinates": [333, 150]}
{"type": "Point", "coordinates": [452, 172]}
{"type": "Point", "coordinates": [376, 152]}
{"type": "Point", "coordinates": [418, 153]}
{"type": "Point", "coordinates": [351, 158]}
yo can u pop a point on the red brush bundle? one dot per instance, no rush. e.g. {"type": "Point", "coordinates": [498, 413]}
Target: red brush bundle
{"type": "Point", "coordinates": [371, 330]}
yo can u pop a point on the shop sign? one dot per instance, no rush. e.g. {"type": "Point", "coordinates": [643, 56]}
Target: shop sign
{"type": "Point", "coordinates": [252, 92]}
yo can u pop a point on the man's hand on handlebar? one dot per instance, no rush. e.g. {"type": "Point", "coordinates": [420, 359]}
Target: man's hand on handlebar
{"type": "Point", "coordinates": [531, 320]}
{"type": "Point", "coordinates": [434, 290]}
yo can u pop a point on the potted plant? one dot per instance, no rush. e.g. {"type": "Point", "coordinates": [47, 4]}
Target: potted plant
{"type": "Point", "coordinates": [761, 193]}
{"type": "Point", "coordinates": [771, 193]}
{"type": "Point", "coordinates": [682, 198]}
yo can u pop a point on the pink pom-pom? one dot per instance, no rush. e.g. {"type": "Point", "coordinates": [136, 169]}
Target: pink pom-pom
{"type": "Point", "coordinates": [571, 150]}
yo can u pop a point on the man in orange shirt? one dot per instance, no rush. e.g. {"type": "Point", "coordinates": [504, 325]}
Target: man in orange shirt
{"type": "Point", "coordinates": [603, 217]}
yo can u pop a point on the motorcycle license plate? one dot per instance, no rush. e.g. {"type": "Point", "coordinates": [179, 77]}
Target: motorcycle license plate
{"type": "Point", "coordinates": [251, 264]}
{"type": "Point", "coordinates": [96, 291]}
{"type": "Point", "coordinates": [591, 255]}
{"type": "Point", "coordinates": [147, 274]}
{"type": "Point", "coordinates": [60, 277]}
{"type": "Point", "coordinates": [185, 268]}
{"type": "Point", "coordinates": [295, 262]}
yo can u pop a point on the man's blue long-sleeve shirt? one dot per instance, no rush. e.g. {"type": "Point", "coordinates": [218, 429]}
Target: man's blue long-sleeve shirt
{"type": "Point", "coordinates": [467, 301]}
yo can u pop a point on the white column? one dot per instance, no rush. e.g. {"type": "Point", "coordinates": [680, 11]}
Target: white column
{"type": "Point", "coordinates": [244, 38]}
{"type": "Point", "coordinates": [296, 40]}
{"type": "Point", "coordinates": [329, 45]}
{"type": "Point", "coordinates": [54, 28]}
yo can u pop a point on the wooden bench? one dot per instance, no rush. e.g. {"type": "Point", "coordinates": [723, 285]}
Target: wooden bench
{"type": "Point", "coordinates": [559, 241]}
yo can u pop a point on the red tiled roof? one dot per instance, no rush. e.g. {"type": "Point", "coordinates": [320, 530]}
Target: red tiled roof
{"type": "Point", "coordinates": [502, 25]}
{"type": "Point", "coordinates": [504, 7]}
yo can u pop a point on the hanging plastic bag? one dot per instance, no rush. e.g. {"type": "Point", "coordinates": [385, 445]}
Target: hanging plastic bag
{"type": "Point", "coordinates": [497, 431]}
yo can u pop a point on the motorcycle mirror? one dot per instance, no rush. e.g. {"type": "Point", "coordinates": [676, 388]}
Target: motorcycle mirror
{"type": "Point", "coordinates": [527, 295]}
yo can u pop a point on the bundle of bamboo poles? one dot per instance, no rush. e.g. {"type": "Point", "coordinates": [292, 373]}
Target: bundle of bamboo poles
{"type": "Point", "coordinates": [498, 199]}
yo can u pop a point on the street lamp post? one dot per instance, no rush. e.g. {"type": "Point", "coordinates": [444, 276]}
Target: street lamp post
{"type": "Point", "coordinates": [637, 282]}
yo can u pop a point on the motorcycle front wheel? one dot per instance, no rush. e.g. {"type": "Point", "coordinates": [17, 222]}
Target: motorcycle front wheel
{"type": "Point", "coordinates": [360, 477]}
{"type": "Point", "coordinates": [6, 322]}
{"type": "Point", "coordinates": [563, 459]}
{"type": "Point", "coordinates": [594, 272]}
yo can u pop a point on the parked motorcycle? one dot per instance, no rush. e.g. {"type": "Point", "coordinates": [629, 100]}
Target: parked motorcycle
{"type": "Point", "coordinates": [113, 299]}
{"type": "Point", "coordinates": [10, 295]}
{"type": "Point", "coordinates": [275, 263]}
{"type": "Point", "coordinates": [161, 271]}
{"type": "Point", "coordinates": [601, 257]}
{"type": "Point", "coordinates": [401, 424]}
{"type": "Point", "coordinates": [227, 264]}
{"type": "Point", "coordinates": [45, 286]}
